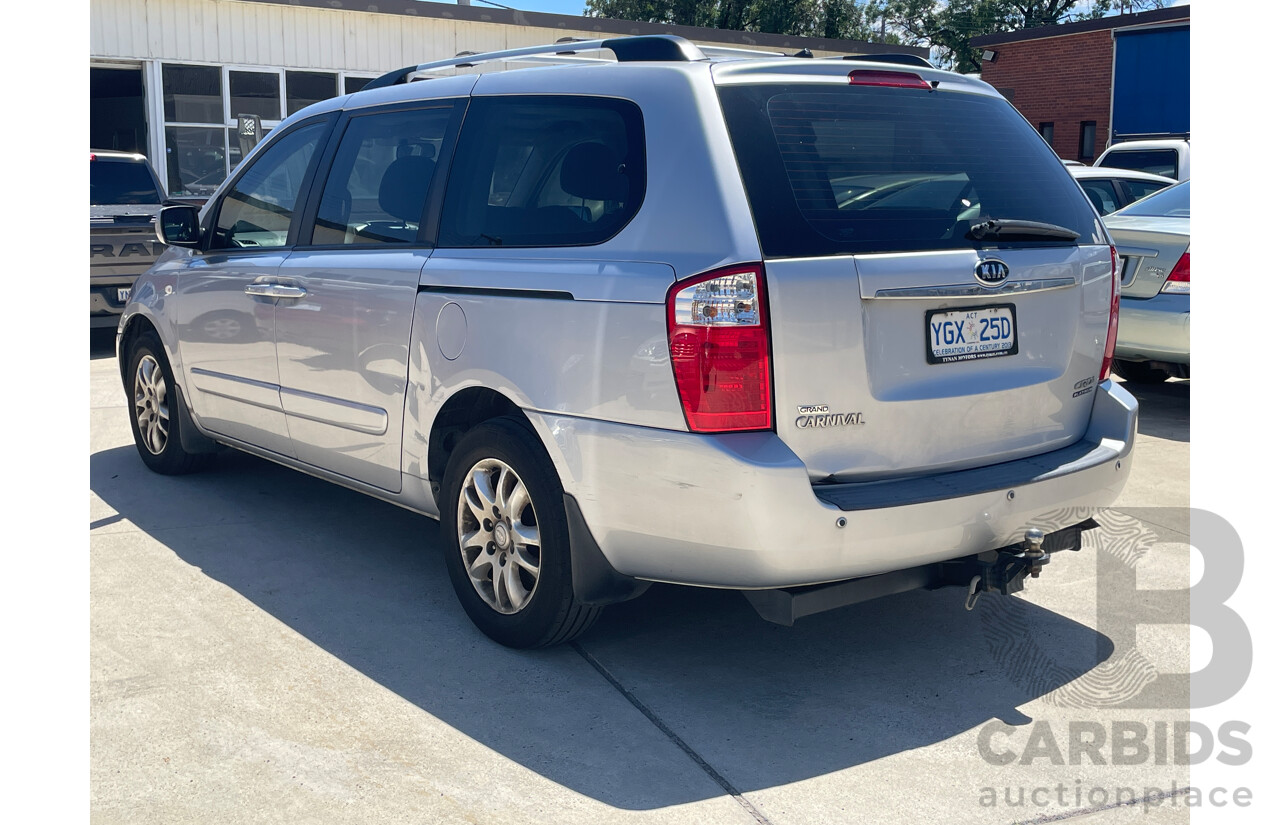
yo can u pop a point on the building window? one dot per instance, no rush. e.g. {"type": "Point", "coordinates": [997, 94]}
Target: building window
{"type": "Point", "coordinates": [305, 88]}
{"type": "Point", "coordinates": [1088, 136]}
{"type": "Point", "coordinates": [1046, 132]}
{"type": "Point", "coordinates": [255, 93]}
{"type": "Point", "coordinates": [201, 105]}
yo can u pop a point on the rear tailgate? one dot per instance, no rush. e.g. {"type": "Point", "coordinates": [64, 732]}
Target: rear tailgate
{"type": "Point", "coordinates": [857, 396]}
{"type": "Point", "coordinates": [122, 240]}
{"type": "Point", "coordinates": [901, 344]}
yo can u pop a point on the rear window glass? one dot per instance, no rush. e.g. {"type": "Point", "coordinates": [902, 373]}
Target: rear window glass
{"type": "Point", "coordinates": [1154, 161]}
{"type": "Point", "coordinates": [1174, 202]}
{"type": "Point", "coordinates": [120, 182]}
{"type": "Point", "coordinates": [865, 169]}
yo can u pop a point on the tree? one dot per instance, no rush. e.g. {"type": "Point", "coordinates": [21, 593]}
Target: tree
{"type": "Point", "coordinates": [948, 26]}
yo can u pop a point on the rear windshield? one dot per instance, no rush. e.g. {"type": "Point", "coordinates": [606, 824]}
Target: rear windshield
{"type": "Point", "coordinates": [1155, 161]}
{"type": "Point", "coordinates": [859, 169]}
{"type": "Point", "coordinates": [117, 182]}
{"type": "Point", "coordinates": [1174, 202]}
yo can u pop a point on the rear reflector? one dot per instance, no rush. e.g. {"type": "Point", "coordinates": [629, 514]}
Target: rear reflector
{"type": "Point", "coordinates": [1113, 325]}
{"type": "Point", "coordinates": [1179, 280]}
{"type": "Point", "coordinates": [878, 77]}
{"type": "Point", "coordinates": [719, 341]}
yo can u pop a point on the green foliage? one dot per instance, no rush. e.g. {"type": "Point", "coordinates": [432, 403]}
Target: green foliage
{"type": "Point", "coordinates": [948, 26]}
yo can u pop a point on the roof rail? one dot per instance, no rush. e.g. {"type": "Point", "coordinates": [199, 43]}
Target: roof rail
{"type": "Point", "coordinates": [656, 47]}
{"type": "Point", "coordinates": [901, 59]}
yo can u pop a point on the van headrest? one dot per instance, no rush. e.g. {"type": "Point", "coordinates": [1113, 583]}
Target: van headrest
{"type": "Point", "coordinates": [403, 191]}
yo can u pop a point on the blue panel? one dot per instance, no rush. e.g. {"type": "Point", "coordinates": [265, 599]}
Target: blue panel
{"type": "Point", "coordinates": [1152, 85]}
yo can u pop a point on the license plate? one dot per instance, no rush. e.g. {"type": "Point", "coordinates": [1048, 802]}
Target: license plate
{"type": "Point", "coordinates": [970, 334]}
{"type": "Point", "coordinates": [122, 294]}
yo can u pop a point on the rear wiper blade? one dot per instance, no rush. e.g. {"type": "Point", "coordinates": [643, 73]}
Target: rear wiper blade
{"type": "Point", "coordinates": [1010, 230]}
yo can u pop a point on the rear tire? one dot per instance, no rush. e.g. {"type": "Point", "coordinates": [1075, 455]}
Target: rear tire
{"type": "Point", "coordinates": [506, 538]}
{"type": "Point", "coordinates": [153, 413]}
{"type": "Point", "coordinates": [1140, 372]}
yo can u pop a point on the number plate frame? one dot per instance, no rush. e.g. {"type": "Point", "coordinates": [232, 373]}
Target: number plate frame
{"type": "Point", "coordinates": [972, 356]}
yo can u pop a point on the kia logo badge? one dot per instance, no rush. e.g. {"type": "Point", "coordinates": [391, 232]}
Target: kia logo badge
{"type": "Point", "coordinates": [991, 272]}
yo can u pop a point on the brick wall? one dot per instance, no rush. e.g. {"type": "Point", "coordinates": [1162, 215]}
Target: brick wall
{"type": "Point", "coordinates": [1060, 80]}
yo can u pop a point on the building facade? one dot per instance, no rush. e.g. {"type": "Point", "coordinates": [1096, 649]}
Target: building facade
{"type": "Point", "coordinates": [171, 78]}
{"type": "Point", "coordinates": [1085, 85]}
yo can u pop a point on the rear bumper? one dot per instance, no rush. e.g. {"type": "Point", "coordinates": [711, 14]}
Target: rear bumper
{"type": "Point", "coordinates": [738, 511]}
{"type": "Point", "coordinates": [1155, 329]}
{"type": "Point", "coordinates": [105, 305]}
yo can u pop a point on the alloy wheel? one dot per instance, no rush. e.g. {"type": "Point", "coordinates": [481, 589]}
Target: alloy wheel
{"type": "Point", "coordinates": [498, 536]}
{"type": "Point", "coordinates": [150, 404]}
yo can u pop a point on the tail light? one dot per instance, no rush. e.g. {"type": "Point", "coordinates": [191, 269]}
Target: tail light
{"type": "Point", "coordinates": [1179, 280]}
{"type": "Point", "coordinates": [1113, 326]}
{"type": "Point", "coordinates": [879, 77]}
{"type": "Point", "coordinates": [719, 338]}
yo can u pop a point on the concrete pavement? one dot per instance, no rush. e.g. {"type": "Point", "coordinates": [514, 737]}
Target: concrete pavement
{"type": "Point", "coordinates": [270, 647]}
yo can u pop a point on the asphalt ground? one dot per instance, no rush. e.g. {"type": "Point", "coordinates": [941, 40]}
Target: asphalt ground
{"type": "Point", "coordinates": [269, 647]}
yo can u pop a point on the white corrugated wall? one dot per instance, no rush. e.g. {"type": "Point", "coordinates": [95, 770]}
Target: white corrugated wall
{"type": "Point", "coordinates": [227, 31]}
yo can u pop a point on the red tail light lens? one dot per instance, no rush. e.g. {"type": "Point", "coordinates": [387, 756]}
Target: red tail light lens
{"type": "Point", "coordinates": [1179, 280]}
{"type": "Point", "coordinates": [879, 77]}
{"type": "Point", "coordinates": [719, 339]}
{"type": "Point", "coordinates": [1113, 325]}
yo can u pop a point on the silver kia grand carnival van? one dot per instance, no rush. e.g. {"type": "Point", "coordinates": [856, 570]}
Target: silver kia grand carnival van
{"type": "Point", "coordinates": [814, 329]}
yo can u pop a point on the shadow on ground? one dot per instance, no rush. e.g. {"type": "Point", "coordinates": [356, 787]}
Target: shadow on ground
{"type": "Point", "coordinates": [1164, 410]}
{"type": "Point", "coordinates": [767, 705]}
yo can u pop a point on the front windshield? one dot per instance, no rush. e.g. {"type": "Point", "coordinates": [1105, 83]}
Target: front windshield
{"type": "Point", "coordinates": [1174, 202]}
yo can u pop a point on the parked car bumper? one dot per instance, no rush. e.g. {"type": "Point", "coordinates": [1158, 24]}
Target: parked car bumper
{"type": "Point", "coordinates": [739, 510]}
{"type": "Point", "coordinates": [105, 305]}
{"type": "Point", "coordinates": [1155, 329]}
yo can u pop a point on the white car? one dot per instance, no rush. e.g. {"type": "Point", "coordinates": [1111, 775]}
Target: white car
{"type": "Point", "coordinates": [1111, 189]}
{"type": "Point", "coordinates": [1169, 157]}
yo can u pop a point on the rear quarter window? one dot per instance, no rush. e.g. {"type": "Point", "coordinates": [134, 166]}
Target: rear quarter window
{"type": "Point", "coordinates": [538, 171]}
{"type": "Point", "coordinates": [860, 169]}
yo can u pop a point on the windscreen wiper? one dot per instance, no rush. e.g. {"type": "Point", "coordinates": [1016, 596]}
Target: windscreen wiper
{"type": "Point", "coordinates": [1010, 230]}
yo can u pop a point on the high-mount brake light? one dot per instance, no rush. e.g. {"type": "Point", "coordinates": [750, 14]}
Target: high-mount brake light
{"type": "Point", "coordinates": [1179, 280]}
{"type": "Point", "coordinates": [718, 334]}
{"type": "Point", "coordinates": [1113, 324]}
{"type": "Point", "coordinates": [880, 77]}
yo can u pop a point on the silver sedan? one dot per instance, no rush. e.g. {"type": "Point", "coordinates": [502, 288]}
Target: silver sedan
{"type": "Point", "coordinates": [1153, 239]}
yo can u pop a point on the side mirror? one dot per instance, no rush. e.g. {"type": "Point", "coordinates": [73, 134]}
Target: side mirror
{"type": "Point", "coordinates": [179, 226]}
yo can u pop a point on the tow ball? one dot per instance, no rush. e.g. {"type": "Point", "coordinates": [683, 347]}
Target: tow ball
{"type": "Point", "coordinates": [1011, 566]}
{"type": "Point", "coordinates": [999, 571]}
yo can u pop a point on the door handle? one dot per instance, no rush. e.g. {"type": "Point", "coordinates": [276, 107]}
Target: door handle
{"type": "Point", "coordinates": [274, 290]}
{"type": "Point", "coordinates": [287, 291]}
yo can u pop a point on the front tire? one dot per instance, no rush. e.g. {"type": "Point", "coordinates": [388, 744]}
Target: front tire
{"type": "Point", "coordinates": [506, 538]}
{"type": "Point", "coordinates": [153, 412]}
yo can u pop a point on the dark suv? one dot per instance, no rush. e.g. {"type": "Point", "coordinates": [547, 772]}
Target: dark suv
{"type": "Point", "coordinates": [124, 199]}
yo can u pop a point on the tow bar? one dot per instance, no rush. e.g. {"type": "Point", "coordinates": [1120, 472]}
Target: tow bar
{"type": "Point", "coordinates": [1001, 571]}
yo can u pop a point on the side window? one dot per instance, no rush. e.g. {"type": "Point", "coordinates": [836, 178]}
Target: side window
{"type": "Point", "coordinates": [377, 187]}
{"type": "Point", "coordinates": [1139, 189]}
{"type": "Point", "coordinates": [1102, 195]}
{"type": "Point", "coordinates": [544, 171]}
{"type": "Point", "coordinates": [258, 208]}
